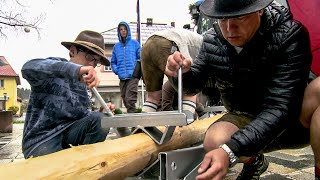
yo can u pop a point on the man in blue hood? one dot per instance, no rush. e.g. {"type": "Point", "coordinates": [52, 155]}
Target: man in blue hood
{"type": "Point", "coordinates": [125, 55]}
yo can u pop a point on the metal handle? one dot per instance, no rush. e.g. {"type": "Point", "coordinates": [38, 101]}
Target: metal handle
{"type": "Point", "coordinates": [180, 90]}
{"type": "Point", "coordinates": [175, 48]}
{"type": "Point", "coordinates": [104, 104]}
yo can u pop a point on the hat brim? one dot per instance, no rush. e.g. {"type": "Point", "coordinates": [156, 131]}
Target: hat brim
{"type": "Point", "coordinates": [208, 9]}
{"type": "Point", "coordinates": [104, 61]}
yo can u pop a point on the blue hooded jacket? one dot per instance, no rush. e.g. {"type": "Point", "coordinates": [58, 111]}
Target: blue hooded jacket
{"type": "Point", "coordinates": [125, 55]}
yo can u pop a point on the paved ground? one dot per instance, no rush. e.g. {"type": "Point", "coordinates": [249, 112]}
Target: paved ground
{"type": "Point", "coordinates": [284, 164]}
{"type": "Point", "coordinates": [10, 145]}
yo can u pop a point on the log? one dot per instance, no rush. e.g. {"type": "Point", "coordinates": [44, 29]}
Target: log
{"type": "Point", "coordinates": [111, 159]}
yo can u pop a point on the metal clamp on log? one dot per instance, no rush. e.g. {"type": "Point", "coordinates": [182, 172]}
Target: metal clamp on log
{"type": "Point", "coordinates": [175, 165]}
{"type": "Point", "coordinates": [147, 122]}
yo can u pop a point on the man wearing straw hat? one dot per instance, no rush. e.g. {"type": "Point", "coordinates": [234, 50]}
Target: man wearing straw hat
{"type": "Point", "coordinates": [58, 115]}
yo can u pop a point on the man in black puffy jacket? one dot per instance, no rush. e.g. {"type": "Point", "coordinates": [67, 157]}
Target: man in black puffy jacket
{"type": "Point", "coordinates": [260, 59]}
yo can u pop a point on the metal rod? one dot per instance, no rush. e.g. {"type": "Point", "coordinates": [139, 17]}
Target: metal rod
{"type": "Point", "coordinates": [146, 119]}
{"type": "Point", "coordinates": [180, 90]}
{"type": "Point", "coordinates": [102, 102]}
{"type": "Point", "coordinates": [142, 92]}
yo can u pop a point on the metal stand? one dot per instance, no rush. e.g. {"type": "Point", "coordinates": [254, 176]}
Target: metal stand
{"type": "Point", "coordinates": [147, 121]}
{"type": "Point", "coordinates": [175, 165]}
{"type": "Point", "coordinates": [214, 110]}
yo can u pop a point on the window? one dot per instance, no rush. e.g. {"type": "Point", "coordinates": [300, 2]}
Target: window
{"type": "Point", "coordinates": [1, 83]}
{"type": "Point", "coordinates": [107, 68]}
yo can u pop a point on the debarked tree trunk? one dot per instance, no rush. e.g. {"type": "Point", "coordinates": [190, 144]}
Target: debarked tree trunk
{"type": "Point", "coordinates": [112, 159]}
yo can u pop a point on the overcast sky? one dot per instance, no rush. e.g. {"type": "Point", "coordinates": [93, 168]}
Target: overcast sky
{"type": "Point", "coordinates": [66, 18]}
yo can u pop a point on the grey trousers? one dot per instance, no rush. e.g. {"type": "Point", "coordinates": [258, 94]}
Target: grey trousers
{"type": "Point", "coordinates": [129, 92]}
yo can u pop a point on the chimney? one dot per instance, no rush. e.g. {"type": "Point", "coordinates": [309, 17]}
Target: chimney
{"type": "Point", "coordinates": [149, 21]}
{"type": "Point", "coordinates": [173, 24]}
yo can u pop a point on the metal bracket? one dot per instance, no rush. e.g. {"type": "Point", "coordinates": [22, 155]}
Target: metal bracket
{"type": "Point", "coordinates": [214, 110]}
{"type": "Point", "coordinates": [193, 173]}
{"type": "Point", "coordinates": [150, 172]}
{"type": "Point", "coordinates": [175, 165]}
{"type": "Point", "coordinates": [147, 122]}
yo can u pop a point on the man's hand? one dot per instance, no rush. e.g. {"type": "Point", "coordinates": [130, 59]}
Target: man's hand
{"type": "Point", "coordinates": [89, 76]}
{"type": "Point", "coordinates": [174, 62]}
{"type": "Point", "coordinates": [111, 106]}
{"type": "Point", "coordinates": [215, 165]}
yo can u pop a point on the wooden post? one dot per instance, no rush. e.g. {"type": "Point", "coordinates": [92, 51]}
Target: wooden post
{"type": "Point", "coordinates": [112, 159]}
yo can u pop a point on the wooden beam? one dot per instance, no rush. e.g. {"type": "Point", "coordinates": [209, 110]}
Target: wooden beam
{"type": "Point", "coordinates": [112, 159]}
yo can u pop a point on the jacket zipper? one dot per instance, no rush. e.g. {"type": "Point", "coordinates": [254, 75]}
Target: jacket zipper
{"type": "Point", "coordinates": [124, 61]}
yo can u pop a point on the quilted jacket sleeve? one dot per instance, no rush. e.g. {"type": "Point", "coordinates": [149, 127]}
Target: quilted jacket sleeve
{"type": "Point", "coordinates": [283, 93]}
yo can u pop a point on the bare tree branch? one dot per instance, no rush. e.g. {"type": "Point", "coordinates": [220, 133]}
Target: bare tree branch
{"type": "Point", "coordinates": [15, 19]}
{"type": "Point", "coordinates": [18, 2]}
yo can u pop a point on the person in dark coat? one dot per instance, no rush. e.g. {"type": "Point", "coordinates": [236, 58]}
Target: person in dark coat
{"type": "Point", "coordinates": [260, 59]}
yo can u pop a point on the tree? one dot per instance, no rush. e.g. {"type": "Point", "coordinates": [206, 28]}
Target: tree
{"type": "Point", "coordinates": [13, 17]}
{"type": "Point", "coordinates": [24, 105]}
{"type": "Point", "coordinates": [23, 93]}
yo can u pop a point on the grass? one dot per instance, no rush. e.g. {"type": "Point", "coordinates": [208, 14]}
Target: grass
{"type": "Point", "coordinates": [18, 120]}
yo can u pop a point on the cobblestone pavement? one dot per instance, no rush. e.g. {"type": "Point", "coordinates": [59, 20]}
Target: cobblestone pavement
{"type": "Point", "coordinates": [10, 145]}
{"type": "Point", "coordinates": [284, 164]}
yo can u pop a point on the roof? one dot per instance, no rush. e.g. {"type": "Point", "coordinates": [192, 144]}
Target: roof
{"type": "Point", "coordinates": [6, 70]}
{"type": "Point", "coordinates": [111, 35]}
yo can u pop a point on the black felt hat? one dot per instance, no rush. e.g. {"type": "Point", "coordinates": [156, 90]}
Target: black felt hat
{"type": "Point", "coordinates": [219, 9]}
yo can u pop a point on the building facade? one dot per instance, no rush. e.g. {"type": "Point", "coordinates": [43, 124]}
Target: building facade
{"type": "Point", "coordinates": [109, 83]}
{"type": "Point", "coordinates": [9, 80]}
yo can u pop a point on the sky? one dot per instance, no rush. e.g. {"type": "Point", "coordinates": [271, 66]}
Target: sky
{"type": "Point", "coordinates": [64, 19]}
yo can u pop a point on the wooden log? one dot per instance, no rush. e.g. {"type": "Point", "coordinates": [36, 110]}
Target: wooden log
{"type": "Point", "coordinates": [112, 159]}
